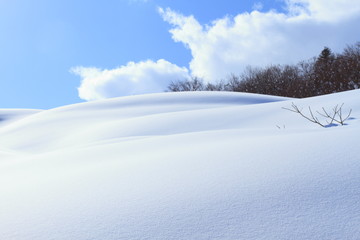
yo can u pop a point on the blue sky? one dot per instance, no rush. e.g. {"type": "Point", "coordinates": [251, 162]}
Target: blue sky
{"type": "Point", "coordinates": [43, 41]}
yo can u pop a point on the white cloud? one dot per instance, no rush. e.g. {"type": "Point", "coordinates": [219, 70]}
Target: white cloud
{"type": "Point", "coordinates": [328, 10]}
{"type": "Point", "coordinates": [229, 44]}
{"type": "Point", "coordinates": [133, 78]}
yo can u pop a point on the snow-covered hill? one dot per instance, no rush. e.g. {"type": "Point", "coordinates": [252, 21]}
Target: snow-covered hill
{"type": "Point", "coordinates": [200, 165]}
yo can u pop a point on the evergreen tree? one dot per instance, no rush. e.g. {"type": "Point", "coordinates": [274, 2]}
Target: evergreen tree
{"type": "Point", "coordinates": [324, 72]}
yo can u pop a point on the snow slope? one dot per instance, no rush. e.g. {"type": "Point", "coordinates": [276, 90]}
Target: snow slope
{"type": "Point", "coordinates": [10, 115]}
{"type": "Point", "coordinates": [200, 165]}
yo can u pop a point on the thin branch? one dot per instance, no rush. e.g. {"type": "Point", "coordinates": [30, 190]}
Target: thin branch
{"type": "Point", "coordinates": [342, 120]}
{"type": "Point", "coordinates": [327, 115]}
{"type": "Point", "coordinates": [336, 116]}
{"type": "Point", "coordinates": [297, 110]}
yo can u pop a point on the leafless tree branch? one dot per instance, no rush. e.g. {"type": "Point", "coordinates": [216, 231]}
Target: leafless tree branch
{"type": "Point", "coordinates": [311, 119]}
{"type": "Point", "coordinates": [335, 116]}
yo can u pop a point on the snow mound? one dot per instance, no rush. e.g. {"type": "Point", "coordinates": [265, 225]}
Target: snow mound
{"type": "Point", "coordinates": [182, 166]}
{"type": "Point", "coordinates": [137, 116]}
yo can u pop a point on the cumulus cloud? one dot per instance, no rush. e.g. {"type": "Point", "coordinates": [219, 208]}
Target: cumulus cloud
{"type": "Point", "coordinates": [229, 44]}
{"type": "Point", "coordinates": [133, 78]}
{"type": "Point", "coordinates": [325, 10]}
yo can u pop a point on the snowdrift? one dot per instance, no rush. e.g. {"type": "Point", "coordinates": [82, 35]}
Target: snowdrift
{"type": "Point", "coordinates": [200, 165]}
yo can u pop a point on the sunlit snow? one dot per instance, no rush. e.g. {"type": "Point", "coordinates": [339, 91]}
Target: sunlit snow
{"type": "Point", "coordinates": [189, 166]}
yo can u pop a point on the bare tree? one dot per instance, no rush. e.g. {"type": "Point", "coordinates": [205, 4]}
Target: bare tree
{"type": "Point", "coordinates": [327, 73]}
{"type": "Point", "coordinates": [336, 115]}
{"type": "Point", "coordinates": [195, 84]}
{"type": "Point", "coordinates": [311, 118]}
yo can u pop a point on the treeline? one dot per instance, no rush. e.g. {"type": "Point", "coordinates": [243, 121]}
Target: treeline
{"type": "Point", "coordinates": [327, 73]}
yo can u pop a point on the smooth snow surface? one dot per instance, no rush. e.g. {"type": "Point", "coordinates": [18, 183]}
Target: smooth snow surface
{"type": "Point", "coordinates": [11, 115]}
{"type": "Point", "coordinates": [189, 166]}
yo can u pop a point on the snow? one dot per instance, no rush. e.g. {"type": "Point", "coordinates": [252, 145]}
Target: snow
{"type": "Point", "coordinates": [199, 165]}
{"type": "Point", "coordinates": [11, 115]}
